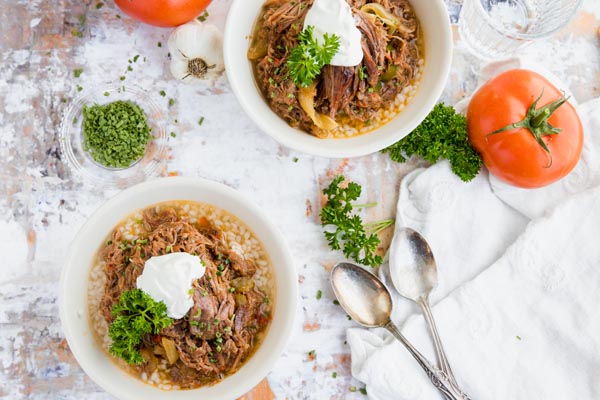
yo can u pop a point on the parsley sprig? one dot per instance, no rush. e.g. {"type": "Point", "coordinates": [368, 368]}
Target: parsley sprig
{"type": "Point", "coordinates": [357, 241]}
{"type": "Point", "coordinates": [443, 134]}
{"type": "Point", "coordinates": [308, 57]}
{"type": "Point", "coordinates": [135, 315]}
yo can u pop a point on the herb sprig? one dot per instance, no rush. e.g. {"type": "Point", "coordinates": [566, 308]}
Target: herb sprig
{"type": "Point", "coordinates": [308, 57]}
{"type": "Point", "coordinates": [357, 241]}
{"type": "Point", "coordinates": [443, 134]}
{"type": "Point", "coordinates": [135, 315]}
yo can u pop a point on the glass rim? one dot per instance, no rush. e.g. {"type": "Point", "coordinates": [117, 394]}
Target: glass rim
{"type": "Point", "coordinates": [526, 36]}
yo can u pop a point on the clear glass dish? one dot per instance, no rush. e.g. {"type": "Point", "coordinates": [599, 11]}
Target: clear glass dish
{"type": "Point", "coordinates": [82, 163]}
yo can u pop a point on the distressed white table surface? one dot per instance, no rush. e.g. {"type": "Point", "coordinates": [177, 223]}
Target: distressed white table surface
{"type": "Point", "coordinates": [42, 205]}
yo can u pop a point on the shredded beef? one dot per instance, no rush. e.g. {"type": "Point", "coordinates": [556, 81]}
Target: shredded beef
{"type": "Point", "coordinates": [218, 333]}
{"type": "Point", "coordinates": [357, 92]}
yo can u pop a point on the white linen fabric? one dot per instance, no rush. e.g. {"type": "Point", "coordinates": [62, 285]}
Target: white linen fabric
{"type": "Point", "coordinates": [519, 273]}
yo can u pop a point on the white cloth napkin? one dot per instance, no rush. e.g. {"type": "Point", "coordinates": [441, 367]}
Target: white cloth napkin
{"type": "Point", "coordinates": [519, 315]}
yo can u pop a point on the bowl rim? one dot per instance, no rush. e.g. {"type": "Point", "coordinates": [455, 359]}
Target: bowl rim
{"type": "Point", "coordinates": [285, 306]}
{"type": "Point", "coordinates": [333, 148]}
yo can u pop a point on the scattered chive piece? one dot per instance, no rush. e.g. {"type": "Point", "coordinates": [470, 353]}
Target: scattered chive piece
{"type": "Point", "coordinates": [204, 293]}
{"type": "Point", "coordinates": [191, 291]}
{"type": "Point", "coordinates": [77, 72]}
{"type": "Point", "coordinates": [334, 374]}
{"type": "Point", "coordinates": [353, 389]}
{"type": "Point", "coordinates": [200, 121]}
{"type": "Point", "coordinates": [129, 68]}
{"type": "Point", "coordinates": [118, 16]}
{"type": "Point", "coordinates": [173, 134]}
{"type": "Point", "coordinates": [99, 5]}
{"type": "Point", "coordinates": [337, 303]}
{"type": "Point", "coordinates": [290, 95]}
{"type": "Point", "coordinates": [319, 294]}
{"type": "Point", "coordinates": [77, 33]}
{"type": "Point", "coordinates": [290, 108]}
{"type": "Point", "coordinates": [231, 290]}
{"type": "Point", "coordinates": [518, 337]}
{"type": "Point", "coordinates": [168, 248]}
{"type": "Point", "coordinates": [159, 44]}
{"type": "Point", "coordinates": [203, 17]}
{"type": "Point", "coordinates": [106, 94]}
{"type": "Point", "coordinates": [295, 159]}
{"type": "Point", "coordinates": [135, 58]}
{"type": "Point", "coordinates": [216, 321]}
{"type": "Point", "coordinates": [349, 318]}
{"type": "Point", "coordinates": [227, 329]}
{"type": "Point", "coordinates": [171, 102]}
{"type": "Point", "coordinates": [82, 19]}
{"type": "Point", "coordinates": [363, 390]}
{"type": "Point", "coordinates": [312, 353]}
{"type": "Point", "coordinates": [122, 77]}
{"type": "Point", "coordinates": [218, 349]}
{"type": "Point", "coordinates": [162, 93]}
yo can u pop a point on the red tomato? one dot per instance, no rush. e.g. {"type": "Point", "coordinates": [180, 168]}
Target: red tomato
{"type": "Point", "coordinates": [163, 12]}
{"type": "Point", "coordinates": [515, 155]}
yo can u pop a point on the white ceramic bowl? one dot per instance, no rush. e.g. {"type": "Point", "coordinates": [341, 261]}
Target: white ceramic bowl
{"type": "Point", "coordinates": [435, 25]}
{"type": "Point", "coordinates": [74, 284]}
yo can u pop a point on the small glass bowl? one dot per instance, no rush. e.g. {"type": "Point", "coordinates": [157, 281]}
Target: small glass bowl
{"type": "Point", "coordinates": [82, 163]}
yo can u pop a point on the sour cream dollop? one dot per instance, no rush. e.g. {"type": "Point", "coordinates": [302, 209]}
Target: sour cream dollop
{"type": "Point", "coordinates": [169, 278]}
{"type": "Point", "coordinates": [335, 16]}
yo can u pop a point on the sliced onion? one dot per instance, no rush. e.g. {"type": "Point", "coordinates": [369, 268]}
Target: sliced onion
{"type": "Point", "coordinates": [306, 98]}
{"type": "Point", "coordinates": [384, 15]}
{"type": "Point", "coordinates": [171, 350]}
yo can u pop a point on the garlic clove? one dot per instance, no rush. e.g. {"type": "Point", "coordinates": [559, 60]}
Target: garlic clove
{"type": "Point", "coordinates": [196, 51]}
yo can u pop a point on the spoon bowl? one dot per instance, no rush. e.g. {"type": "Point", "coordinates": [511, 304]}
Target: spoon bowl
{"type": "Point", "coordinates": [362, 295]}
{"type": "Point", "coordinates": [412, 265]}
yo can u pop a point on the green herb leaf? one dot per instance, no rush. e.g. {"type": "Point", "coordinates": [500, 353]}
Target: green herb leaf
{"type": "Point", "coordinates": [309, 56]}
{"type": "Point", "coordinates": [319, 294]}
{"type": "Point", "coordinates": [443, 134]}
{"type": "Point", "coordinates": [349, 234]}
{"type": "Point", "coordinates": [135, 315]}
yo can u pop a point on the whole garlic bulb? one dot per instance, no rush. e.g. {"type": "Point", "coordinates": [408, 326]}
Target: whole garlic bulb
{"type": "Point", "coordinates": [196, 52]}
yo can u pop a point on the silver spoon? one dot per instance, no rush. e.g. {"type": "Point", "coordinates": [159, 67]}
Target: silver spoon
{"type": "Point", "coordinates": [366, 299]}
{"type": "Point", "coordinates": [414, 274]}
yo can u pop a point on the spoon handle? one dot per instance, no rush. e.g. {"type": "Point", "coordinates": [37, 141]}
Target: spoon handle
{"type": "Point", "coordinates": [437, 377]}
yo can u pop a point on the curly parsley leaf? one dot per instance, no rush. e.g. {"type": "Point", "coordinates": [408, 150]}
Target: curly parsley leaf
{"type": "Point", "coordinates": [135, 314]}
{"type": "Point", "coordinates": [443, 134]}
{"type": "Point", "coordinates": [347, 232]}
{"type": "Point", "coordinates": [308, 57]}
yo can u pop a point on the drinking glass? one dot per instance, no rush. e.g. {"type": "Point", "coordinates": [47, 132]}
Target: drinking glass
{"type": "Point", "coordinates": [498, 28]}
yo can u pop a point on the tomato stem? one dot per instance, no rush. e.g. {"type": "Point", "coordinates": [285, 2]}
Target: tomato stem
{"type": "Point", "coordinates": [536, 122]}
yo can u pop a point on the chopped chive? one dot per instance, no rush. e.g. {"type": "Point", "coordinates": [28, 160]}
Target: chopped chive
{"type": "Point", "coordinates": [106, 94]}
{"type": "Point", "coordinates": [122, 77]}
{"type": "Point", "coordinates": [99, 5]}
{"type": "Point", "coordinates": [231, 290]}
{"type": "Point", "coordinates": [171, 102]}
{"type": "Point", "coordinates": [159, 44]}
{"type": "Point", "coordinates": [200, 121]}
{"type": "Point", "coordinates": [337, 303]}
{"type": "Point", "coordinates": [135, 58]}
{"type": "Point", "coordinates": [173, 134]}
{"type": "Point", "coordinates": [319, 294]}
{"type": "Point", "coordinates": [162, 93]}
{"type": "Point", "coordinates": [363, 390]}
{"type": "Point", "coordinates": [353, 389]}
{"type": "Point", "coordinates": [77, 72]}
{"type": "Point", "coordinates": [334, 374]}
{"type": "Point", "coordinates": [168, 248]}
